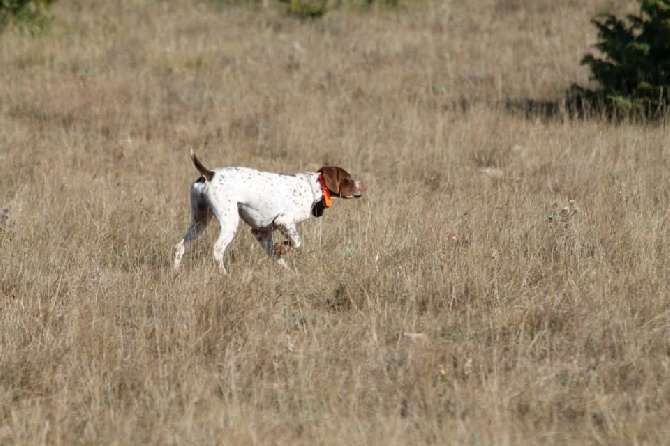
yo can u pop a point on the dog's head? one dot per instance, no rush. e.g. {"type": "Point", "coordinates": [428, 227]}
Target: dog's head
{"type": "Point", "coordinates": [340, 183]}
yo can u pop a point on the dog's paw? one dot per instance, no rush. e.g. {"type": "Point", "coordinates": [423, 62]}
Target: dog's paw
{"type": "Point", "coordinates": [281, 248]}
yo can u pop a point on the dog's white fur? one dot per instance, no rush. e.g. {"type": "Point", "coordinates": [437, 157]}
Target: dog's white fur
{"type": "Point", "coordinates": [265, 201]}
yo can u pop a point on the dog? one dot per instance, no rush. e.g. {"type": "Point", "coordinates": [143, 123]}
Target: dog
{"type": "Point", "coordinates": [265, 201]}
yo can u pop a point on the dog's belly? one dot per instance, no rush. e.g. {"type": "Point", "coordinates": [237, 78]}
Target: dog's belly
{"type": "Point", "coordinates": [254, 217]}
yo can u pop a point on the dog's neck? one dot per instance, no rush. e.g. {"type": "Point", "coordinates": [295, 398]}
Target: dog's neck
{"type": "Point", "coordinates": [320, 193]}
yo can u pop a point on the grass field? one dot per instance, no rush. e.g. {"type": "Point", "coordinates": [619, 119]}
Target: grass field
{"type": "Point", "coordinates": [530, 250]}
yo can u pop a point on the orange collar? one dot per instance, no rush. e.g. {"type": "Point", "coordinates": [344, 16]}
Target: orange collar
{"type": "Point", "coordinates": [327, 201]}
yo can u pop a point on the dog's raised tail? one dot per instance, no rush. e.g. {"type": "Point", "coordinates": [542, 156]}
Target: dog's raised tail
{"type": "Point", "coordinates": [205, 172]}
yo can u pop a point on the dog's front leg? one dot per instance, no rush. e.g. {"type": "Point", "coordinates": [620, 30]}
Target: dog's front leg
{"type": "Point", "coordinates": [279, 249]}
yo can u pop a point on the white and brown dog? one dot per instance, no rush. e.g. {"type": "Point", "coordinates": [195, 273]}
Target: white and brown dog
{"type": "Point", "coordinates": [265, 201]}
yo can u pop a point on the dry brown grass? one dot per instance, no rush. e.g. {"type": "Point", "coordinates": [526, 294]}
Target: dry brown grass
{"type": "Point", "coordinates": [538, 331]}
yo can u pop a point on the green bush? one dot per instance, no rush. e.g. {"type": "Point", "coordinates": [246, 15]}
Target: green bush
{"type": "Point", "coordinates": [634, 72]}
{"type": "Point", "coordinates": [27, 13]}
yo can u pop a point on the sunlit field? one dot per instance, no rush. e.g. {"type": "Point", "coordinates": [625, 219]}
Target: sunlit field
{"type": "Point", "coordinates": [505, 281]}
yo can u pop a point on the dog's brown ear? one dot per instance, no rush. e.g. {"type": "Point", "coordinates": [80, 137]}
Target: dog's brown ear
{"type": "Point", "coordinates": [333, 177]}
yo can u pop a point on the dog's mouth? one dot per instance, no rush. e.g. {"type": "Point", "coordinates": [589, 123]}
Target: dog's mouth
{"type": "Point", "coordinates": [357, 191]}
{"type": "Point", "coordinates": [361, 188]}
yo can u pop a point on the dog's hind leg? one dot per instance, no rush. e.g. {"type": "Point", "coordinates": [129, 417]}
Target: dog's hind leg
{"type": "Point", "coordinates": [228, 219]}
{"type": "Point", "coordinates": [201, 214]}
